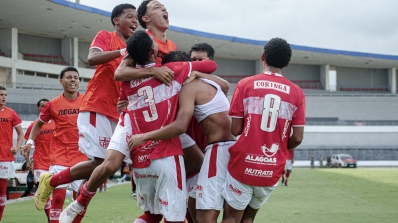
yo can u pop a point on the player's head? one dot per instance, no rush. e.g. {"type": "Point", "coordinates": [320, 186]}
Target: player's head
{"type": "Point", "coordinates": [69, 79]}
{"type": "Point", "coordinates": [3, 96]}
{"type": "Point", "coordinates": [202, 51]}
{"type": "Point", "coordinates": [124, 19]}
{"type": "Point", "coordinates": [41, 103]}
{"type": "Point", "coordinates": [152, 13]}
{"type": "Point", "coordinates": [142, 48]}
{"type": "Point", "coordinates": [277, 53]}
{"type": "Point", "coordinates": [176, 56]}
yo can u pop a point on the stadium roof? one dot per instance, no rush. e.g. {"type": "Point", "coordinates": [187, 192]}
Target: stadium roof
{"type": "Point", "coordinates": [60, 18]}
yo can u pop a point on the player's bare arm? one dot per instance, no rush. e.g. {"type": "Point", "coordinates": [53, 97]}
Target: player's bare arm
{"type": "Point", "coordinates": [186, 102]}
{"type": "Point", "coordinates": [15, 149]}
{"type": "Point", "coordinates": [127, 72]}
{"type": "Point", "coordinates": [96, 56]}
{"type": "Point", "coordinates": [33, 134]}
{"type": "Point", "coordinates": [296, 138]}
{"type": "Point", "coordinates": [237, 126]}
{"type": "Point", "coordinates": [224, 84]}
{"type": "Point", "coordinates": [121, 104]}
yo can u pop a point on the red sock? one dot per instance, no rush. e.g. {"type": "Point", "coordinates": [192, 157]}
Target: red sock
{"type": "Point", "coordinates": [56, 204]}
{"type": "Point", "coordinates": [80, 216]}
{"type": "Point", "coordinates": [188, 217]}
{"type": "Point", "coordinates": [151, 218]}
{"type": "Point", "coordinates": [60, 178]}
{"type": "Point", "coordinates": [85, 195]}
{"type": "Point", "coordinates": [47, 208]}
{"type": "Point", "coordinates": [3, 196]}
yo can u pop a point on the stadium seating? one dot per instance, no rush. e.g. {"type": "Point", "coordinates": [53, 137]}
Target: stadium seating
{"type": "Point", "coordinates": [52, 59]}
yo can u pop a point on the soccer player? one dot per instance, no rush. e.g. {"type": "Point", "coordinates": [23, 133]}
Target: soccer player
{"type": "Point", "coordinates": [264, 108]}
{"type": "Point", "coordinates": [63, 111]}
{"type": "Point", "coordinates": [42, 149]}
{"type": "Point", "coordinates": [205, 100]}
{"type": "Point", "coordinates": [151, 105]}
{"type": "Point", "coordinates": [9, 120]}
{"type": "Point", "coordinates": [288, 168]}
{"type": "Point", "coordinates": [202, 51]}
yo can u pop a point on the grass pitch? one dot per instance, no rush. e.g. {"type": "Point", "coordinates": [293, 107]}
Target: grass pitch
{"type": "Point", "coordinates": [314, 195]}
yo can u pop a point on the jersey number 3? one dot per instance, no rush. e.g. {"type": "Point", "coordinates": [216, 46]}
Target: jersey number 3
{"type": "Point", "coordinates": [271, 106]}
{"type": "Point", "coordinates": [148, 92]}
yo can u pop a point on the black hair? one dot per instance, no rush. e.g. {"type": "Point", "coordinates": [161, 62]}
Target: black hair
{"type": "Point", "coordinates": [66, 69]}
{"type": "Point", "coordinates": [2, 88]}
{"type": "Point", "coordinates": [142, 11]}
{"type": "Point", "coordinates": [43, 99]}
{"type": "Point", "coordinates": [203, 47]}
{"type": "Point", "coordinates": [119, 9]}
{"type": "Point", "coordinates": [277, 53]}
{"type": "Point", "coordinates": [176, 56]}
{"type": "Point", "coordinates": [138, 46]}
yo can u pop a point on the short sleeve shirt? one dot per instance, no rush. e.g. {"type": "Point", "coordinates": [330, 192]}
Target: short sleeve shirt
{"type": "Point", "coordinates": [9, 119]}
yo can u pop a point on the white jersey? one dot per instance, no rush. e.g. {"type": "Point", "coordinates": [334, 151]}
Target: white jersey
{"type": "Point", "coordinates": [218, 104]}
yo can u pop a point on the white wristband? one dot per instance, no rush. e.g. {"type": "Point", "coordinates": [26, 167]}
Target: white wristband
{"type": "Point", "coordinates": [122, 51]}
{"type": "Point", "coordinates": [30, 141]}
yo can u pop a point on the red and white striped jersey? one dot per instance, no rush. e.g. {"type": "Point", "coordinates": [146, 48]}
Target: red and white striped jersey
{"type": "Point", "coordinates": [153, 105]}
{"type": "Point", "coordinates": [270, 105]}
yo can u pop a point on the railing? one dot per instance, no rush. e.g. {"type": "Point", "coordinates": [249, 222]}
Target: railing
{"type": "Point", "coordinates": [52, 59]}
{"type": "Point", "coordinates": [32, 86]}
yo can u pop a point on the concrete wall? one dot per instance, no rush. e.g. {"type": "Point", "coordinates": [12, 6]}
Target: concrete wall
{"type": "Point", "coordinates": [302, 72]}
{"type": "Point", "coordinates": [353, 108]}
{"type": "Point", "coordinates": [5, 41]}
{"type": "Point", "coordinates": [38, 45]}
{"type": "Point", "coordinates": [235, 67]}
{"type": "Point", "coordinates": [361, 77]}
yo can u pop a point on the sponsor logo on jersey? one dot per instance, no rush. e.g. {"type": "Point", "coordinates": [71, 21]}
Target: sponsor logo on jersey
{"type": "Point", "coordinates": [258, 159]}
{"type": "Point", "coordinates": [142, 158]}
{"type": "Point", "coordinates": [70, 111]}
{"type": "Point", "coordinates": [258, 173]}
{"type": "Point", "coordinates": [45, 132]}
{"type": "Point", "coordinates": [104, 142]}
{"type": "Point", "coordinates": [246, 130]}
{"type": "Point", "coordinates": [270, 152]}
{"type": "Point", "coordinates": [163, 202]}
{"type": "Point", "coordinates": [140, 176]}
{"type": "Point", "coordinates": [235, 190]}
{"type": "Point", "coordinates": [272, 85]}
{"type": "Point", "coordinates": [3, 119]}
{"type": "Point", "coordinates": [285, 128]}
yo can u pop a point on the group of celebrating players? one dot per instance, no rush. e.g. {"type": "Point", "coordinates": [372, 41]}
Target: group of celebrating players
{"type": "Point", "coordinates": [193, 153]}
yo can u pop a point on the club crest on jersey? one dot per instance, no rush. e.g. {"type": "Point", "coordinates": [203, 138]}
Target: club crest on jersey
{"type": "Point", "coordinates": [104, 142]}
{"type": "Point", "coordinates": [270, 152]}
{"type": "Point", "coordinates": [272, 85]}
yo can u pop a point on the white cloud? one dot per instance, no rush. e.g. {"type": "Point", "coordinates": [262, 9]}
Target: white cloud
{"type": "Point", "coordinates": [354, 25]}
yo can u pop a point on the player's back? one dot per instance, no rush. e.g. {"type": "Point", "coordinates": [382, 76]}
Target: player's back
{"type": "Point", "coordinates": [211, 110]}
{"type": "Point", "coordinates": [270, 104]}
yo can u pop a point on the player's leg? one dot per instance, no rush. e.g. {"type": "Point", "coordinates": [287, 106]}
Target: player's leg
{"type": "Point", "coordinates": [37, 173]}
{"type": "Point", "coordinates": [3, 195]}
{"type": "Point", "coordinates": [57, 203]}
{"type": "Point", "coordinates": [7, 171]}
{"type": "Point", "coordinates": [192, 181]}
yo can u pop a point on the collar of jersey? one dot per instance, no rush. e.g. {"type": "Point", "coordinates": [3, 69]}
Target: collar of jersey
{"type": "Point", "coordinates": [146, 66]}
{"type": "Point", "coordinates": [272, 73]}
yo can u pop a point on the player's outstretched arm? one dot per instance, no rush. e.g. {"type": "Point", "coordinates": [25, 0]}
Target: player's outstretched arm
{"type": "Point", "coordinates": [96, 56]}
{"type": "Point", "coordinates": [187, 97]}
{"type": "Point", "coordinates": [127, 72]}
{"type": "Point", "coordinates": [33, 134]}
{"type": "Point", "coordinates": [296, 138]}
{"type": "Point", "coordinates": [224, 85]}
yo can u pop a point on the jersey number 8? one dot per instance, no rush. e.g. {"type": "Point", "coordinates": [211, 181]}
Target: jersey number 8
{"type": "Point", "coordinates": [269, 118]}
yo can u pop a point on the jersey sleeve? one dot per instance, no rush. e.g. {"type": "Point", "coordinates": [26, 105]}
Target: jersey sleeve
{"type": "Point", "coordinates": [45, 114]}
{"type": "Point", "coordinates": [16, 120]}
{"type": "Point", "coordinates": [237, 109]}
{"type": "Point", "coordinates": [101, 41]}
{"type": "Point", "coordinates": [182, 70]}
{"type": "Point", "coordinates": [204, 66]}
{"type": "Point", "coordinates": [27, 133]}
{"type": "Point", "coordinates": [299, 115]}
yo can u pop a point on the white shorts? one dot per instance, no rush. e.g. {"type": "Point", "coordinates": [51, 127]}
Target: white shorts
{"type": "Point", "coordinates": [120, 138]}
{"type": "Point", "coordinates": [7, 170]}
{"type": "Point", "coordinates": [186, 141]}
{"type": "Point", "coordinates": [191, 185]}
{"type": "Point", "coordinates": [289, 165]}
{"type": "Point", "coordinates": [54, 169]}
{"type": "Point", "coordinates": [95, 132]}
{"type": "Point", "coordinates": [37, 173]}
{"type": "Point", "coordinates": [239, 195]}
{"type": "Point", "coordinates": [161, 187]}
{"type": "Point", "coordinates": [212, 176]}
